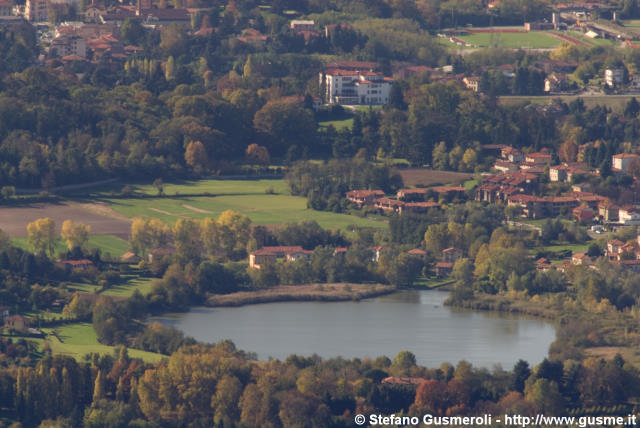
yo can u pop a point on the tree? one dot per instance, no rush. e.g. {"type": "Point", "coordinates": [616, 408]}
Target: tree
{"type": "Point", "coordinates": [75, 234]}
{"type": "Point", "coordinates": [148, 234]}
{"type": "Point", "coordinates": [257, 155]}
{"type": "Point", "coordinates": [233, 231]}
{"type": "Point", "coordinates": [196, 157]}
{"type": "Point", "coordinates": [41, 235]}
{"type": "Point", "coordinates": [187, 237]}
{"type": "Point", "coordinates": [159, 185]}
{"type": "Point", "coordinates": [396, 99]}
{"type": "Point", "coordinates": [99, 387]}
{"type": "Point", "coordinates": [283, 124]}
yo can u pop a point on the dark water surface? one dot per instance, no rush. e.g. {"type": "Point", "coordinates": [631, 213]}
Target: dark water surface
{"type": "Point", "coordinates": [413, 320]}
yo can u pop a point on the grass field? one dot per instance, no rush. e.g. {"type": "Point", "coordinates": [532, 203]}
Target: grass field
{"type": "Point", "coordinates": [80, 339]}
{"type": "Point", "coordinates": [338, 124]}
{"type": "Point", "coordinates": [107, 243]}
{"type": "Point", "coordinates": [537, 40]}
{"type": "Point", "coordinates": [261, 208]}
{"type": "Point", "coordinates": [593, 42]}
{"type": "Point", "coordinates": [126, 289]}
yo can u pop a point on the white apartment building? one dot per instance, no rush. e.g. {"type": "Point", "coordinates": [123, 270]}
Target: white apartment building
{"type": "Point", "coordinates": [613, 76]}
{"type": "Point", "coordinates": [36, 10]}
{"type": "Point", "coordinates": [355, 87]}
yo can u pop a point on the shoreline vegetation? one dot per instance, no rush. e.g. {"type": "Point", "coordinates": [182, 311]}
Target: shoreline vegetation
{"type": "Point", "coordinates": [302, 293]}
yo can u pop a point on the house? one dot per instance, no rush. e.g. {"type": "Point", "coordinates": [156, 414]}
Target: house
{"type": "Point", "coordinates": [364, 197]}
{"type": "Point", "coordinates": [583, 214]}
{"type": "Point", "coordinates": [613, 77]}
{"type": "Point", "coordinates": [629, 215]}
{"type": "Point", "coordinates": [614, 249]}
{"type": "Point", "coordinates": [623, 161]}
{"type": "Point", "coordinates": [538, 158]}
{"type": "Point", "coordinates": [270, 254]}
{"type": "Point", "coordinates": [505, 166]}
{"type": "Point", "coordinates": [411, 194]}
{"type": "Point", "coordinates": [543, 264]}
{"type": "Point", "coordinates": [387, 204]}
{"type": "Point", "coordinates": [417, 252]}
{"type": "Point", "coordinates": [302, 25]}
{"type": "Point", "coordinates": [538, 207]}
{"type": "Point", "coordinates": [252, 36]}
{"type": "Point", "coordinates": [76, 264]}
{"type": "Point", "coordinates": [633, 265]}
{"type": "Point", "coordinates": [159, 253]}
{"type": "Point", "coordinates": [16, 323]}
{"type": "Point", "coordinates": [450, 255]}
{"type": "Point", "coordinates": [607, 211]}
{"type": "Point", "coordinates": [511, 154]}
{"type": "Point", "coordinates": [579, 259]}
{"type": "Point", "coordinates": [444, 269]}
{"type": "Point", "coordinates": [556, 82]}
{"type": "Point", "coordinates": [500, 187]}
{"type": "Point", "coordinates": [471, 82]}
{"type": "Point", "coordinates": [355, 87]}
{"type": "Point", "coordinates": [130, 258]}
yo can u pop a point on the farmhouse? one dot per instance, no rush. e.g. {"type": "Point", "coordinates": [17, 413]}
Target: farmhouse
{"type": "Point", "coordinates": [450, 255]}
{"type": "Point", "coordinates": [364, 197]}
{"type": "Point", "coordinates": [16, 323]}
{"type": "Point", "coordinates": [270, 254]}
{"type": "Point", "coordinates": [76, 264]}
{"type": "Point", "coordinates": [444, 269]}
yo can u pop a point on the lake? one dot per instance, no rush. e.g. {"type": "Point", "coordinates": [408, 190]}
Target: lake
{"type": "Point", "coordinates": [416, 321]}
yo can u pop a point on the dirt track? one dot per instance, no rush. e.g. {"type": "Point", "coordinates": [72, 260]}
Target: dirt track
{"type": "Point", "coordinates": [103, 221]}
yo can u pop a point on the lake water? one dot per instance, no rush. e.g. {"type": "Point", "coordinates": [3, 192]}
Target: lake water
{"type": "Point", "coordinates": [416, 321]}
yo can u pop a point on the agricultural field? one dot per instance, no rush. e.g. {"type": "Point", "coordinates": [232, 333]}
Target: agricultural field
{"type": "Point", "coordinates": [430, 177]}
{"type": "Point", "coordinates": [266, 202]}
{"type": "Point", "coordinates": [14, 219]}
{"type": "Point", "coordinates": [532, 40]}
{"type": "Point", "coordinates": [262, 209]}
{"type": "Point", "coordinates": [79, 339]}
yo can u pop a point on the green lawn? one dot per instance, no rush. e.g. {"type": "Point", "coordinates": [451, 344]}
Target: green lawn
{"type": "Point", "coordinates": [261, 208]}
{"type": "Point", "coordinates": [535, 39]}
{"type": "Point", "coordinates": [470, 184]}
{"type": "Point", "coordinates": [215, 187]}
{"type": "Point", "coordinates": [80, 339]}
{"type": "Point", "coordinates": [588, 40]}
{"type": "Point", "coordinates": [338, 124]}
{"type": "Point", "coordinates": [109, 244]}
{"type": "Point", "coordinates": [575, 248]}
{"type": "Point", "coordinates": [126, 289]}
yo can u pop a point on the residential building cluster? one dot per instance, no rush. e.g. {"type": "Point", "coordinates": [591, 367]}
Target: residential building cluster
{"type": "Point", "coordinates": [407, 200]}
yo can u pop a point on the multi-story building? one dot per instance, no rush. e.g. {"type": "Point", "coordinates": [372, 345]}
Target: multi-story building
{"type": "Point", "coordinates": [622, 161]}
{"type": "Point", "coordinates": [300, 25]}
{"type": "Point", "coordinates": [613, 76]}
{"type": "Point", "coordinates": [36, 10]}
{"type": "Point", "coordinates": [65, 45]}
{"type": "Point", "coordinates": [353, 87]}
{"type": "Point", "coordinates": [6, 8]}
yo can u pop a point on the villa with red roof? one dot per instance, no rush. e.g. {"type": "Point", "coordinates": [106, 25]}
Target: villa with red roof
{"type": "Point", "coordinates": [355, 87]}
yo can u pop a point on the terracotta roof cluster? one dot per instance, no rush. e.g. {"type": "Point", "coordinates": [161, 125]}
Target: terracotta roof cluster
{"type": "Point", "coordinates": [281, 251]}
{"type": "Point", "coordinates": [364, 193]}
